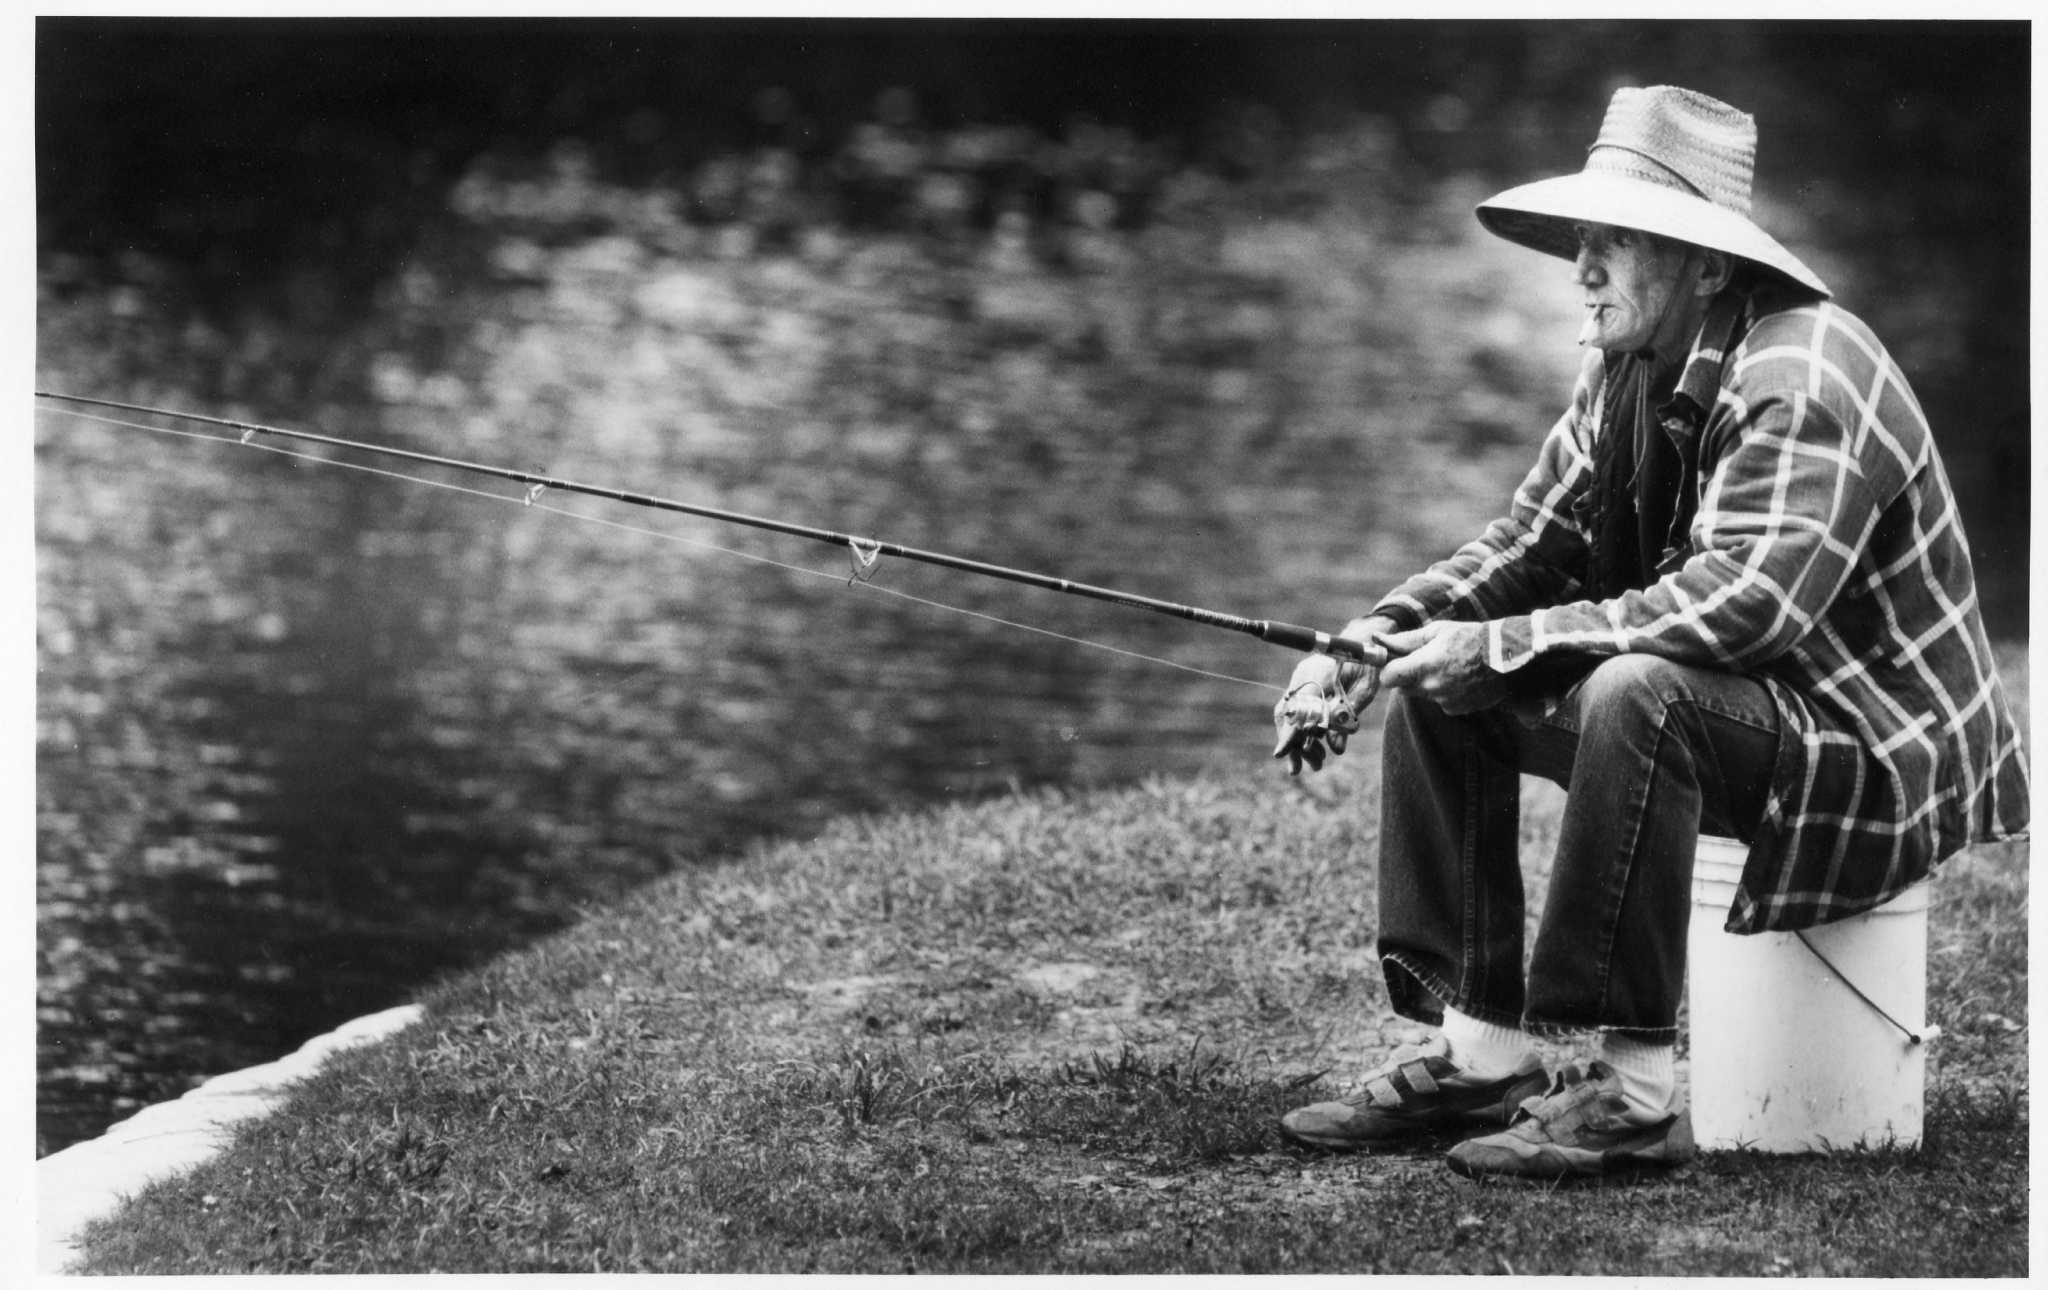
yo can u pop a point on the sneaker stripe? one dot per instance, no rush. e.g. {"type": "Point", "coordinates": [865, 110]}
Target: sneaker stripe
{"type": "Point", "coordinates": [1419, 1078]}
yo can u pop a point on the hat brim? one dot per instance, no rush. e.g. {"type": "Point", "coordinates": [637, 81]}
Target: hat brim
{"type": "Point", "coordinates": [1541, 216]}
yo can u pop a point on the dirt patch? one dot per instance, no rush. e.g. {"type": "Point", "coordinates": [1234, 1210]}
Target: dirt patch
{"type": "Point", "coordinates": [1058, 978]}
{"type": "Point", "coordinates": [841, 995]}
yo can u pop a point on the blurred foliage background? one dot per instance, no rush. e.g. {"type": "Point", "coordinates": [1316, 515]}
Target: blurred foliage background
{"type": "Point", "coordinates": [250, 157]}
{"type": "Point", "coordinates": [1193, 308]}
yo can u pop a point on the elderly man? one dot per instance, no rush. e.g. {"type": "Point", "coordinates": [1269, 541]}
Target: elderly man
{"type": "Point", "coordinates": [1733, 595]}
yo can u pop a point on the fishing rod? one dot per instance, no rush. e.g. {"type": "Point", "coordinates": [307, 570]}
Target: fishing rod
{"type": "Point", "coordinates": [866, 551]}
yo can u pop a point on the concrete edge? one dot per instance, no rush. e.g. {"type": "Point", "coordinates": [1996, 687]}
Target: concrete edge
{"type": "Point", "coordinates": [88, 1180]}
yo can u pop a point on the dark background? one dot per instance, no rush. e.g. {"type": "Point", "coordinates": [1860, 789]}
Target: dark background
{"type": "Point", "coordinates": [187, 136]}
{"type": "Point", "coordinates": [1194, 308]}
{"type": "Point", "coordinates": [234, 146]}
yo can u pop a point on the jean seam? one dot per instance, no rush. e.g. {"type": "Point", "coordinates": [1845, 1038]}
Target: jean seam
{"type": "Point", "coordinates": [1468, 967]}
{"type": "Point", "coordinates": [1559, 719]}
{"type": "Point", "coordinates": [1567, 1030]}
{"type": "Point", "coordinates": [1700, 704]}
{"type": "Point", "coordinates": [1611, 924]}
{"type": "Point", "coordinates": [1444, 991]}
{"type": "Point", "coordinates": [1642, 809]}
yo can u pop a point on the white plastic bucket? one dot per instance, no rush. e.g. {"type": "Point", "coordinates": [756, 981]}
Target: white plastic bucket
{"type": "Point", "coordinates": [1785, 1057]}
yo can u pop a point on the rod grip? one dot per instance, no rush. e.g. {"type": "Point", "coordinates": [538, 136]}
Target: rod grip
{"type": "Point", "coordinates": [1310, 641]}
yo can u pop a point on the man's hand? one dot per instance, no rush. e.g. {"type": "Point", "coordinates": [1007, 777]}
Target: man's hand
{"type": "Point", "coordinates": [1445, 662]}
{"type": "Point", "coordinates": [1319, 712]}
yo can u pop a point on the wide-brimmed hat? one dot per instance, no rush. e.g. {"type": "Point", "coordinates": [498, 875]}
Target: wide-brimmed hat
{"type": "Point", "coordinates": [1668, 161]}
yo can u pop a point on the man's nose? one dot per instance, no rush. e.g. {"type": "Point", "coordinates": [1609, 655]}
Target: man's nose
{"type": "Point", "coordinates": [1587, 271]}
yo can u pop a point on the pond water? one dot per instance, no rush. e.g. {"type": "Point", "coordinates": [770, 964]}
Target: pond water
{"type": "Point", "coordinates": [309, 736]}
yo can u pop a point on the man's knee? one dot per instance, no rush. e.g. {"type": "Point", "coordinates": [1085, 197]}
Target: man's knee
{"type": "Point", "coordinates": [1408, 710]}
{"type": "Point", "coordinates": [1631, 688]}
{"type": "Point", "coordinates": [1415, 723]}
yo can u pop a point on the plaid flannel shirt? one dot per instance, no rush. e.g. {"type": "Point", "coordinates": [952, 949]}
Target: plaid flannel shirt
{"type": "Point", "coordinates": [1826, 558]}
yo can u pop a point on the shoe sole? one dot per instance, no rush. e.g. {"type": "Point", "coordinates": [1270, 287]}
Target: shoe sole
{"type": "Point", "coordinates": [1550, 1161]}
{"type": "Point", "coordinates": [1554, 1163]}
{"type": "Point", "coordinates": [1451, 1124]}
{"type": "Point", "coordinates": [1421, 1133]}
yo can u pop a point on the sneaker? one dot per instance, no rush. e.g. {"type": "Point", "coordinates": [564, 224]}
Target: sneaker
{"type": "Point", "coordinates": [1416, 1092]}
{"type": "Point", "coordinates": [1578, 1129]}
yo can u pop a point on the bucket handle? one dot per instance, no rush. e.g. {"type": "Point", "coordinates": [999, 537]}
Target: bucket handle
{"type": "Point", "coordinates": [1913, 1039]}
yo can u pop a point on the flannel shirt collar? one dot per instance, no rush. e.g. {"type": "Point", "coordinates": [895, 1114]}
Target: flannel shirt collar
{"type": "Point", "coordinates": [1699, 381]}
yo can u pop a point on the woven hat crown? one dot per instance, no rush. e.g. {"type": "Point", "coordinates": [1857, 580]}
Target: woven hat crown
{"type": "Point", "coordinates": [1681, 139]}
{"type": "Point", "coordinates": [1668, 161]}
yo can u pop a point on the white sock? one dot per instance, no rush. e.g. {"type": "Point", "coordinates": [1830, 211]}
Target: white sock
{"type": "Point", "coordinates": [1649, 1074]}
{"type": "Point", "coordinates": [1482, 1047]}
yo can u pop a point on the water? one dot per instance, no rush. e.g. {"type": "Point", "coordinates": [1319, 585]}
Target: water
{"type": "Point", "coordinates": [309, 737]}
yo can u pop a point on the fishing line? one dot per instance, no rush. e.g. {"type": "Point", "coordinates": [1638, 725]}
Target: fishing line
{"type": "Point", "coordinates": [866, 559]}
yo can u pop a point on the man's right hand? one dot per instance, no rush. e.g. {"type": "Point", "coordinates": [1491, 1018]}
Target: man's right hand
{"type": "Point", "coordinates": [1319, 712]}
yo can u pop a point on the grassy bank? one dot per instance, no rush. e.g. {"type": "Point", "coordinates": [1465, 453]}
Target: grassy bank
{"type": "Point", "coordinates": [1047, 1033]}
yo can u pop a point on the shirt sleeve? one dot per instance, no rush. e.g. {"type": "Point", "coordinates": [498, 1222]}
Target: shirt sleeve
{"type": "Point", "coordinates": [1796, 483]}
{"type": "Point", "coordinates": [1533, 555]}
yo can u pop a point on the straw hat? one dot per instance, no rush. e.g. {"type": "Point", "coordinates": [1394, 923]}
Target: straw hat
{"type": "Point", "coordinates": [1668, 161]}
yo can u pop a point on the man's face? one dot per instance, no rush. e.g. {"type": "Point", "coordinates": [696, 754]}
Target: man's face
{"type": "Point", "coordinates": [1630, 280]}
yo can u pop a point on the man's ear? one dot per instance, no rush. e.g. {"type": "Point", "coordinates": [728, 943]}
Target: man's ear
{"type": "Point", "coordinates": [1716, 269]}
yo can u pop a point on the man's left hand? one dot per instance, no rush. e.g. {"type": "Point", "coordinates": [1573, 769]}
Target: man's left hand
{"type": "Point", "coordinates": [1319, 711]}
{"type": "Point", "coordinates": [1445, 662]}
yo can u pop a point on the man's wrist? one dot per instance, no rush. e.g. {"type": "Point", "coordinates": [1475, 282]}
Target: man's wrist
{"type": "Point", "coordinates": [1511, 642]}
{"type": "Point", "coordinates": [1397, 616]}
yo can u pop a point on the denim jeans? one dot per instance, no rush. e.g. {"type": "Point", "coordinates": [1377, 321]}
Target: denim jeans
{"type": "Point", "coordinates": [1650, 753]}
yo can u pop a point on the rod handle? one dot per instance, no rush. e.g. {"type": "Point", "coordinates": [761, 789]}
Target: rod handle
{"type": "Point", "coordinates": [1310, 641]}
